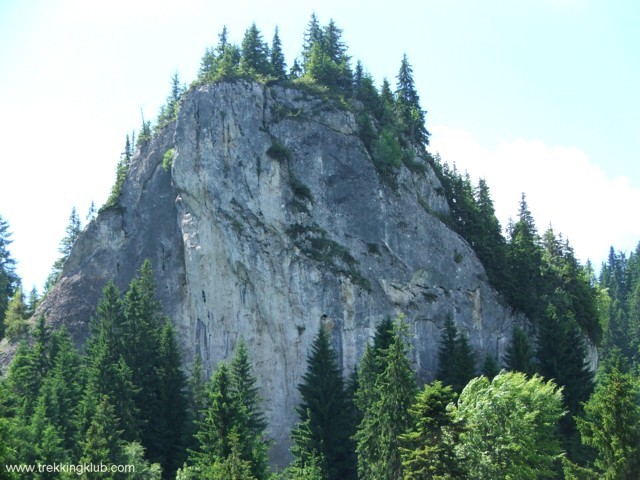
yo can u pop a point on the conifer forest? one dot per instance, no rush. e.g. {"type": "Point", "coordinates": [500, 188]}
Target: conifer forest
{"type": "Point", "coordinates": [562, 403]}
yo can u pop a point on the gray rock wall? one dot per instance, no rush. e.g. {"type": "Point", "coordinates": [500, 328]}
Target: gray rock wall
{"type": "Point", "coordinates": [247, 245]}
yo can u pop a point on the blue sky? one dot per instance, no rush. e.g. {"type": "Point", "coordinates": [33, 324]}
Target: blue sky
{"type": "Point", "coordinates": [539, 96]}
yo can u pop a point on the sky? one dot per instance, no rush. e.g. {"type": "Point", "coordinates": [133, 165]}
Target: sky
{"type": "Point", "coordinates": [535, 96]}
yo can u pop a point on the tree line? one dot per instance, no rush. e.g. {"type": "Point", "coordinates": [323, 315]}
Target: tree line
{"type": "Point", "coordinates": [126, 400]}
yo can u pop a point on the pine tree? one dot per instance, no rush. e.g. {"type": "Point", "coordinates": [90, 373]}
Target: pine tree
{"type": "Point", "coordinates": [15, 322]}
{"type": "Point", "coordinates": [145, 133]}
{"type": "Point", "coordinates": [102, 442]}
{"type": "Point", "coordinates": [384, 399]}
{"type": "Point", "coordinates": [323, 410]}
{"type": "Point", "coordinates": [12, 431]}
{"type": "Point", "coordinates": [520, 354]}
{"type": "Point", "coordinates": [224, 419]}
{"type": "Point", "coordinates": [223, 41]}
{"type": "Point", "coordinates": [133, 455]}
{"type": "Point", "coordinates": [489, 245]}
{"type": "Point", "coordinates": [197, 398]}
{"type": "Point", "coordinates": [336, 50]}
{"type": "Point", "coordinates": [221, 62]}
{"type": "Point", "coordinates": [524, 258]}
{"type": "Point", "coordinates": [234, 466]}
{"type": "Point", "coordinates": [410, 113]}
{"type": "Point", "coordinates": [47, 443]}
{"type": "Point", "coordinates": [170, 425]}
{"type": "Point", "coordinates": [32, 303]}
{"type": "Point", "coordinates": [365, 400]}
{"type": "Point", "coordinates": [141, 330]}
{"type": "Point", "coordinates": [464, 364]}
{"type": "Point", "coordinates": [247, 395]}
{"type": "Point", "coordinates": [62, 390]}
{"type": "Point", "coordinates": [456, 362]}
{"type": "Point", "coordinates": [447, 351]}
{"type": "Point", "coordinates": [611, 422]}
{"type": "Point", "coordinates": [255, 53]}
{"type": "Point", "coordinates": [108, 374]}
{"type": "Point", "coordinates": [387, 116]}
{"type": "Point", "coordinates": [277, 60]}
{"type": "Point", "coordinates": [207, 65]}
{"type": "Point", "coordinates": [561, 354]}
{"type": "Point", "coordinates": [244, 383]}
{"type": "Point", "coordinates": [123, 166]}
{"type": "Point", "coordinates": [427, 447]}
{"type": "Point", "coordinates": [23, 380]}
{"type": "Point", "coordinates": [490, 367]}
{"type": "Point", "coordinates": [9, 280]}
{"type": "Point", "coordinates": [72, 231]}
{"type": "Point", "coordinates": [169, 110]}
{"type": "Point", "coordinates": [312, 37]}
{"type": "Point", "coordinates": [358, 77]}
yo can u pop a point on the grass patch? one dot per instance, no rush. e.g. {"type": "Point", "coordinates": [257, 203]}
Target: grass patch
{"type": "Point", "coordinates": [300, 190]}
{"type": "Point", "coordinates": [316, 244]}
{"type": "Point", "coordinates": [167, 159]}
{"type": "Point", "coordinates": [278, 151]}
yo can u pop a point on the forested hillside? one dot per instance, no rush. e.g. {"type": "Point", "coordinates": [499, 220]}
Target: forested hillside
{"type": "Point", "coordinates": [125, 406]}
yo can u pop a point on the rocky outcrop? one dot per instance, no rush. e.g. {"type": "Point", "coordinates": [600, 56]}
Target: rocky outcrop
{"type": "Point", "coordinates": [271, 222]}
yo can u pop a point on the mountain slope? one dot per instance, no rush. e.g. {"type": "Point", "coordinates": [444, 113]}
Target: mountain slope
{"type": "Point", "coordinates": [271, 220]}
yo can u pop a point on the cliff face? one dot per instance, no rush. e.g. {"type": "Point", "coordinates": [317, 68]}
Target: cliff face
{"type": "Point", "coordinates": [271, 222]}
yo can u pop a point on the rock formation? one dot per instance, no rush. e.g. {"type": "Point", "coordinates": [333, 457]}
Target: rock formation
{"type": "Point", "coordinates": [271, 221]}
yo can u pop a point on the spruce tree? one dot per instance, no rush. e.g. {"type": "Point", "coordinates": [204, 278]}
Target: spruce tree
{"type": "Point", "coordinates": [611, 422]}
{"type": "Point", "coordinates": [456, 362]}
{"type": "Point", "coordinates": [15, 322]}
{"type": "Point", "coordinates": [244, 384]}
{"type": "Point", "coordinates": [102, 442]}
{"type": "Point", "coordinates": [410, 113]}
{"type": "Point", "coordinates": [73, 229]}
{"type": "Point", "coordinates": [47, 443]}
{"type": "Point", "coordinates": [524, 258]}
{"type": "Point", "coordinates": [384, 399]}
{"type": "Point", "coordinates": [277, 60]}
{"type": "Point", "coordinates": [61, 392]}
{"type": "Point", "coordinates": [225, 418]}
{"type": "Point", "coordinates": [23, 379]}
{"type": "Point", "coordinates": [197, 401]}
{"type": "Point", "coordinates": [365, 400]}
{"type": "Point", "coordinates": [207, 65]}
{"type": "Point", "coordinates": [108, 374]}
{"type": "Point", "coordinates": [122, 168]}
{"type": "Point", "coordinates": [169, 110]}
{"type": "Point", "coordinates": [561, 354]}
{"type": "Point", "coordinates": [33, 299]}
{"type": "Point", "coordinates": [9, 280]}
{"type": "Point", "coordinates": [387, 117]}
{"type": "Point", "coordinates": [312, 37]}
{"type": "Point", "coordinates": [427, 446]}
{"type": "Point", "coordinates": [169, 430]}
{"type": "Point", "coordinates": [336, 51]}
{"type": "Point", "coordinates": [29, 368]}
{"type": "Point", "coordinates": [255, 53]}
{"type": "Point", "coordinates": [489, 245]}
{"type": "Point", "coordinates": [323, 411]}
{"type": "Point", "coordinates": [247, 395]}
{"type": "Point", "coordinates": [520, 353]}
{"type": "Point", "coordinates": [490, 367]}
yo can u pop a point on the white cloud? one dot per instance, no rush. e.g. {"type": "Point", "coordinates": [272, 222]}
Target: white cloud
{"type": "Point", "coordinates": [564, 188]}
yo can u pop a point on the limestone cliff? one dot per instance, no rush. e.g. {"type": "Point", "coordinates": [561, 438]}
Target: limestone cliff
{"type": "Point", "coordinates": [271, 221]}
